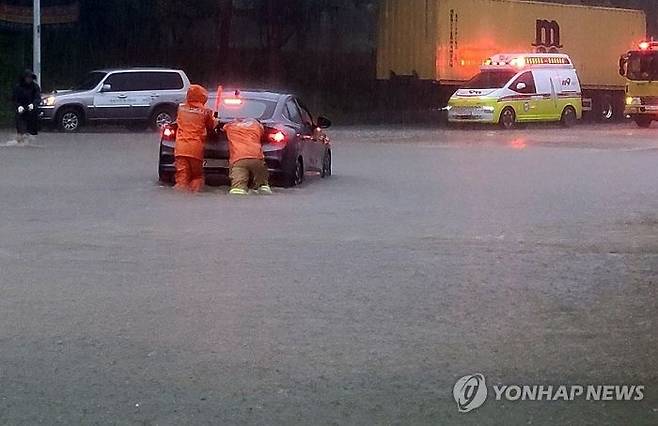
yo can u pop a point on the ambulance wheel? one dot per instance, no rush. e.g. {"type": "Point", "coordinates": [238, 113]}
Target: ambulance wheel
{"type": "Point", "coordinates": [507, 118]}
{"type": "Point", "coordinates": [643, 121]}
{"type": "Point", "coordinates": [569, 117]}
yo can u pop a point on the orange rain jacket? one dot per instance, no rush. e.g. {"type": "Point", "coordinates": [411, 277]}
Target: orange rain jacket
{"type": "Point", "coordinates": [194, 121]}
{"type": "Point", "coordinates": [245, 140]}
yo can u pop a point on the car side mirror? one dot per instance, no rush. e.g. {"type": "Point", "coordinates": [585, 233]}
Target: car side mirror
{"type": "Point", "coordinates": [521, 86]}
{"type": "Point", "coordinates": [324, 122]}
{"type": "Point", "coordinates": [622, 66]}
{"type": "Point", "coordinates": [106, 88]}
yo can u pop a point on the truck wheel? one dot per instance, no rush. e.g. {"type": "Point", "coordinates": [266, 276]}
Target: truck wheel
{"type": "Point", "coordinates": [606, 109]}
{"type": "Point", "coordinates": [569, 117]}
{"type": "Point", "coordinates": [507, 119]}
{"type": "Point", "coordinates": [643, 121]}
{"type": "Point", "coordinates": [162, 116]}
{"type": "Point", "coordinates": [69, 120]}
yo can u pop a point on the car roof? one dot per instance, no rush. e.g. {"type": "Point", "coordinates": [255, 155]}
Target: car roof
{"type": "Point", "coordinates": [136, 69]}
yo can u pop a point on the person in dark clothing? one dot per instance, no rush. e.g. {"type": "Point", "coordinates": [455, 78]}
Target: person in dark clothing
{"type": "Point", "coordinates": [26, 98]}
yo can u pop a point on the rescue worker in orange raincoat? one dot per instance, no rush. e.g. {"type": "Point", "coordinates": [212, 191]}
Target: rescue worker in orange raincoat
{"type": "Point", "coordinates": [246, 158]}
{"type": "Point", "coordinates": [194, 122]}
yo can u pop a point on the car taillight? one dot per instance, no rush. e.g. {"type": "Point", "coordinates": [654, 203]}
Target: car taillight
{"type": "Point", "coordinates": [169, 134]}
{"type": "Point", "coordinates": [276, 136]}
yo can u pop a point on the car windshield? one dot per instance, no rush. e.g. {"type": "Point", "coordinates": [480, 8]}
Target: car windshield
{"type": "Point", "coordinates": [91, 80]}
{"type": "Point", "coordinates": [642, 66]}
{"type": "Point", "coordinates": [239, 108]}
{"type": "Point", "coordinates": [490, 80]}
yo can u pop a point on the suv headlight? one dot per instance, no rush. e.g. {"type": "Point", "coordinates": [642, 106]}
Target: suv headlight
{"type": "Point", "coordinates": [488, 109]}
{"type": "Point", "coordinates": [49, 101]}
{"type": "Point", "coordinates": [633, 100]}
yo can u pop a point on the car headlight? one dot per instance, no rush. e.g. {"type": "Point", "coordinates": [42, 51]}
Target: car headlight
{"type": "Point", "coordinates": [633, 100]}
{"type": "Point", "coordinates": [488, 109]}
{"type": "Point", "coordinates": [49, 101]}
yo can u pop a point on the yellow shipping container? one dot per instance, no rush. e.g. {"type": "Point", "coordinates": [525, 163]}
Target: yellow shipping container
{"type": "Point", "coordinates": [447, 40]}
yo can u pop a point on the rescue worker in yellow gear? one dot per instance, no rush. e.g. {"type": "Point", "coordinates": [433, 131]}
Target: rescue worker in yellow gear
{"type": "Point", "coordinates": [246, 157]}
{"type": "Point", "coordinates": [194, 122]}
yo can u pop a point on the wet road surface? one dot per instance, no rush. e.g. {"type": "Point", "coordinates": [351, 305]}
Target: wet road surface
{"type": "Point", "coordinates": [528, 256]}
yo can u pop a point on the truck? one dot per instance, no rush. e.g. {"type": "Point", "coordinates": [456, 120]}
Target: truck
{"type": "Point", "coordinates": [428, 48]}
{"type": "Point", "coordinates": [640, 68]}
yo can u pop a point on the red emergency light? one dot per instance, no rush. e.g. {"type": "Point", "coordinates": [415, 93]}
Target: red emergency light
{"type": "Point", "coordinates": [233, 101]}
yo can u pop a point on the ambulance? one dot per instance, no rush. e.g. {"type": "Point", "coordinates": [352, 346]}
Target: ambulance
{"type": "Point", "coordinates": [520, 88]}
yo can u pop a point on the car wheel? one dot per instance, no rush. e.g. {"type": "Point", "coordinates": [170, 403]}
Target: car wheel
{"type": "Point", "coordinates": [507, 119]}
{"type": "Point", "coordinates": [161, 117]}
{"type": "Point", "coordinates": [569, 117]}
{"type": "Point", "coordinates": [166, 178]}
{"type": "Point", "coordinates": [644, 121]}
{"type": "Point", "coordinates": [326, 165]}
{"type": "Point", "coordinates": [69, 120]}
{"type": "Point", "coordinates": [296, 176]}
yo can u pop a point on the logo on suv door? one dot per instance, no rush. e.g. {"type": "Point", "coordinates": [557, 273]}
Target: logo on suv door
{"type": "Point", "coordinates": [547, 38]}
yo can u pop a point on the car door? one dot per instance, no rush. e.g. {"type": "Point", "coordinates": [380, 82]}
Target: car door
{"type": "Point", "coordinates": [526, 104]}
{"type": "Point", "coordinates": [152, 88]}
{"type": "Point", "coordinates": [313, 144]}
{"type": "Point", "coordinates": [142, 85]}
{"type": "Point", "coordinates": [112, 101]}
{"type": "Point", "coordinates": [292, 112]}
{"type": "Point", "coordinates": [547, 108]}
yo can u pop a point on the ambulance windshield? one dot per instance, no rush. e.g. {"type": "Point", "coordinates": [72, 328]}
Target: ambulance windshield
{"type": "Point", "coordinates": [490, 79]}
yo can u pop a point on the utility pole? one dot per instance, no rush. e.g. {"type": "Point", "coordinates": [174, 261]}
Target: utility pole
{"type": "Point", "coordinates": [36, 58]}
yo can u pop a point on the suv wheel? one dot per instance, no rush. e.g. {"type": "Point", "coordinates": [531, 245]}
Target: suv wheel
{"type": "Point", "coordinates": [69, 120]}
{"type": "Point", "coordinates": [162, 116]}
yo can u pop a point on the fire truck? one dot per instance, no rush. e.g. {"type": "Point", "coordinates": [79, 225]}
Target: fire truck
{"type": "Point", "coordinates": [640, 68]}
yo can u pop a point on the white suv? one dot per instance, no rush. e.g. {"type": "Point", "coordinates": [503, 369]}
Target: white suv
{"type": "Point", "coordinates": [135, 96]}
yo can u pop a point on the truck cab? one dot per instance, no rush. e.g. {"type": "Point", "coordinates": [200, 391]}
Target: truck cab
{"type": "Point", "coordinates": [640, 68]}
{"type": "Point", "coordinates": [520, 88]}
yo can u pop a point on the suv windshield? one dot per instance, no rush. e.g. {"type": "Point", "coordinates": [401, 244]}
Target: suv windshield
{"type": "Point", "coordinates": [232, 109]}
{"type": "Point", "coordinates": [642, 66]}
{"type": "Point", "coordinates": [490, 80]}
{"type": "Point", "coordinates": [91, 80]}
